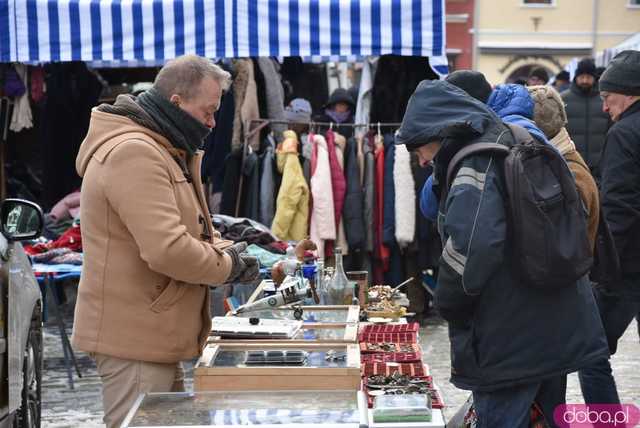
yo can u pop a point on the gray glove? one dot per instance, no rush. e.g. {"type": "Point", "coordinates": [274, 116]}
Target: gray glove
{"type": "Point", "coordinates": [252, 270]}
{"type": "Point", "coordinates": [244, 268]}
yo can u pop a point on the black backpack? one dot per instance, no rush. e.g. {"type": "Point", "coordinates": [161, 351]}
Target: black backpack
{"type": "Point", "coordinates": [547, 220]}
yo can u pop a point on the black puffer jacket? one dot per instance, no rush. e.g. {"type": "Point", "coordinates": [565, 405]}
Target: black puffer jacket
{"type": "Point", "coordinates": [587, 124]}
{"type": "Point", "coordinates": [502, 331]}
{"type": "Point", "coordinates": [620, 187]}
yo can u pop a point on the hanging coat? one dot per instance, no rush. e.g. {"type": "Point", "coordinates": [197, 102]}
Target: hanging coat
{"type": "Point", "coordinates": [352, 213]}
{"type": "Point", "coordinates": [405, 198]}
{"type": "Point", "coordinates": [292, 207]}
{"type": "Point", "coordinates": [323, 224]}
{"type": "Point", "coordinates": [267, 184]}
{"type": "Point", "coordinates": [338, 182]}
{"type": "Point", "coordinates": [381, 251]}
{"type": "Point", "coordinates": [341, 242]}
{"type": "Point", "coordinates": [369, 193]}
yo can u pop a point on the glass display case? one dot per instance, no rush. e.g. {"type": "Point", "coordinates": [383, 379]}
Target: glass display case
{"type": "Point", "coordinates": [309, 333]}
{"type": "Point", "coordinates": [278, 366]}
{"type": "Point", "coordinates": [313, 314]}
{"type": "Point", "coordinates": [336, 408]}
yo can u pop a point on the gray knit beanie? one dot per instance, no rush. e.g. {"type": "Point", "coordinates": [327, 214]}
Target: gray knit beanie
{"type": "Point", "coordinates": [622, 76]}
{"type": "Point", "coordinates": [298, 110]}
{"type": "Point", "coordinates": [548, 111]}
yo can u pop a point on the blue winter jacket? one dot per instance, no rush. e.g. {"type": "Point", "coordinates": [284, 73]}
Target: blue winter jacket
{"type": "Point", "coordinates": [514, 105]}
{"type": "Point", "coordinates": [502, 331]}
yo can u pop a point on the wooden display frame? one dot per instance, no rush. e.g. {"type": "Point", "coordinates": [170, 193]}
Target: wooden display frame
{"type": "Point", "coordinates": [250, 378]}
{"type": "Point", "coordinates": [350, 336]}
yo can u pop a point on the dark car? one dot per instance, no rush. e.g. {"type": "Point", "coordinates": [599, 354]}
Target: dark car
{"type": "Point", "coordinates": [20, 318]}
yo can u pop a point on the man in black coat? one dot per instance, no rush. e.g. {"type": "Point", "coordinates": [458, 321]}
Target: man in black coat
{"type": "Point", "coordinates": [619, 303]}
{"type": "Point", "coordinates": [587, 123]}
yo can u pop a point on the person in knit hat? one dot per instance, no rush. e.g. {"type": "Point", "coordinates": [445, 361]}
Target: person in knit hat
{"type": "Point", "coordinates": [298, 112]}
{"type": "Point", "coordinates": [472, 82]}
{"type": "Point", "coordinates": [538, 76]}
{"type": "Point", "coordinates": [620, 193]}
{"type": "Point", "coordinates": [550, 116]}
{"type": "Point", "coordinates": [562, 81]}
{"type": "Point", "coordinates": [587, 123]}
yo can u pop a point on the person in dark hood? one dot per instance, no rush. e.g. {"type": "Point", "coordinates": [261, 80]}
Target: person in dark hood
{"type": "Point", "coordinates": [475, 84]}
{"type": "Point", "coordinates": [339, 109]}
{"type": "Point", "coordinates": [587, 123]}
{"type": "Point", "coordinates": [501, 330]}
{"type": "Point", "coordinates": [619, 302]}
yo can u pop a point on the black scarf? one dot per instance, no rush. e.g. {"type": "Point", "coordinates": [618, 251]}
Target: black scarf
{"type": "Point", "coordinates": [179, 127]}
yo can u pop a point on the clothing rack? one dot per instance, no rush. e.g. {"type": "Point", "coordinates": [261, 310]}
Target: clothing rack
{"type": "Point", "coordinates": [260, 124]}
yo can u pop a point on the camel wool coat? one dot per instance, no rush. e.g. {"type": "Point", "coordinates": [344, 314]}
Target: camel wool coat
{"type": "Point", "coordinates": [150, 250]}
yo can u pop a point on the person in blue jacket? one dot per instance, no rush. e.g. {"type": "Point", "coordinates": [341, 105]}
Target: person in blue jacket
{"type": "Point", "coordinates": [511, 345]}
{"type": "Point", "coordinates": [513, 104]}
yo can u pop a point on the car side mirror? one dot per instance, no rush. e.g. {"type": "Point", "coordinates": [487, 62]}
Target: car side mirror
{"type": "Point", "coordinates": [21, 220]}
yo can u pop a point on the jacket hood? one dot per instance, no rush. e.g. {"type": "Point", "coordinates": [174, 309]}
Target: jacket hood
{"type": "Point", "coordinates": [340, 95]}
{"type": "Point", "coordinates": [439, 110]}
{"type": "Point", "coordinates": [514, 105]}
{"type": "Point", "coordinates": [104, 127]}
{"type": "Point", "coordinates": [509, 99]}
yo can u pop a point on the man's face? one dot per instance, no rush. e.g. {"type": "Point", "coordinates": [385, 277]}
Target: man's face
{"type": "Point", "coordinates": [585, 81]}
{"type": "Point", "coordinates": [203, 105]}
{"type": "Point", "coordinates": [559, 83]}
{"type": "Point", "coordinates": [428, 152]}
{"type": "Point", "coordinates": [616, 104]}
{"type": "Point", "coordinates": [535, 81]}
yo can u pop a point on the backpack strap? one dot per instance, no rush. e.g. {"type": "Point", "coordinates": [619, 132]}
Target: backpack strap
{"type": "Point", "coordinates": [520, 135]}
{"type": "Point", "coordinates": [469, 150]}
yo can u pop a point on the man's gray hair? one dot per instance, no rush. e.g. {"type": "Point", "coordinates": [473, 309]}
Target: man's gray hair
{"type": "Point", "coordinates": [183, 75]}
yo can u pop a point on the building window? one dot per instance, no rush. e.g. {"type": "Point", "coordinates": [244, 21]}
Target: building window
{"type": "Point", "coordinates": [538, 2]}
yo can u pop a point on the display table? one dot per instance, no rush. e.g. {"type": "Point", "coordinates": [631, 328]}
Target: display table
{"type": "Point", "coordinates": [270, 409]}
{"type": "Point", "coordinates": [48, 276]}
{"type": "Point", "coordinates": [283, 409]}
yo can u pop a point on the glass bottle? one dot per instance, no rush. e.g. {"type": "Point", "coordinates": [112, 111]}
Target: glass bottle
{"type": "Point", "coordinates": [319, 280]}
{"type": "Point", "coordinates": [340, 290]}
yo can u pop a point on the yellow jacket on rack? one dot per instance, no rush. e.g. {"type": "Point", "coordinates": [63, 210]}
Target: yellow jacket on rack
{"type": "Point", "coordinates": [292, 207]}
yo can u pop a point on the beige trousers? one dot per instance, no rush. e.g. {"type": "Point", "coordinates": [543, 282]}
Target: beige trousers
{"type": "Point", "coordinates": [124, 380]}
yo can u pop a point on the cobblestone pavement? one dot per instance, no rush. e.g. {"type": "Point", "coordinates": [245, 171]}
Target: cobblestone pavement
{"type": "Point", "coordinates": [82, 407]}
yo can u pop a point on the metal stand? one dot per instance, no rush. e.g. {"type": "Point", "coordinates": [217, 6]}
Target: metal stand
{"type": "Point", "coordinates": [69, 356]}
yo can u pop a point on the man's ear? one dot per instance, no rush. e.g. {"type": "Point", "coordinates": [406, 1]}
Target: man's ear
{"type": "Point", "coordinates": [175, 99]}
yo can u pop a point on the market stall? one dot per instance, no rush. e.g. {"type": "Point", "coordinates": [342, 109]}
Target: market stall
{"type": "Point", "coordinates": [333, 350]}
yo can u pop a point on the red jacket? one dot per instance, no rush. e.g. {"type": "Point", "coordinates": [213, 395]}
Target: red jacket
{"type": "Point", "coordinates": [380, 251]}
{"type": "Point", "coordinates": [338, 182]}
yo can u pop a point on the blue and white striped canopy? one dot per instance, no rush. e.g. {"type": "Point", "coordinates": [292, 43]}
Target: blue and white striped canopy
{"type": "Point", "coordinates": [157, 30]}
